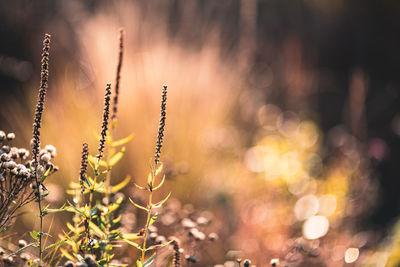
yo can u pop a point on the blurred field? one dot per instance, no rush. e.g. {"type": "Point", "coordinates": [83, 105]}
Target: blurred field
{"type": "Point", "coordinates": [284, 154]}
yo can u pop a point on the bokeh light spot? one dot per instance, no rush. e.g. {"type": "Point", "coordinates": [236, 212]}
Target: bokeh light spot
{"type": "Point", "coordinates": [315, 227]}
{"type": "Point", "coordinates": [351, 255]}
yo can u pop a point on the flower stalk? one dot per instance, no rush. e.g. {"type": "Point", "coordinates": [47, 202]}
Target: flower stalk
{"type": "Point", "coordinates": [36, 134]}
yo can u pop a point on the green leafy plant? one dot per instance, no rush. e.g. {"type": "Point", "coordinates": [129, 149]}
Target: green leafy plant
{"type": "Point", "coordinates": [150, 188]}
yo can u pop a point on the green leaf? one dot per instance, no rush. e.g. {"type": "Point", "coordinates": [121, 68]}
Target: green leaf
{"type": "Point", "coordinates": [159, 246]}
{"type": "Point", "coordinates": [72, 208]}
{"type": "Point", "coordinates": [116, 157]}
{"type": "Point", "coordinates": [137, 205]}
{"type": "Point", "coordinates": [149, 260]}
{"type": "Point", "coordinates": [130, 236]}
{"type": "Point", "coordinates": [121, 185]}
{"type": "Point", "coordinates": [66, 254]}
{"type": "Point", "coordinates": [132, 244]}
{"type": "Point", "coordinates": [159, 204]}
{"type": "Point", "coordinates": [25, 247]}
{"type": "Point", "coordinates": [159, 169]}
{"type": "Point", "coordinates": [96, 229]}
{"type": "Point", "coordinates": [35, 235]}
{"type": "Point", "coordinates": [140, 187]}
{"type": "Point", "coordinates": [45, 175]}
{"type": "Point", "coordinates": [56, 244]}
{"type": "Point", "coordinates": [153, 218]}
{"type": "Point", "coordinates": [95, 161]}
{"type": "Point", "coordinates": [94, 210]}
{"type": "Point", "coordinates": [160, 184]}
{"type": "Point", "coordinates": [122, 141]}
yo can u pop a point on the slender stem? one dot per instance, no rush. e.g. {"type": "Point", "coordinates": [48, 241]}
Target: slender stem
{"type": "Point", "coordinates": [146, 229]}
{"type": "Point", "coordinates": [41, 222]}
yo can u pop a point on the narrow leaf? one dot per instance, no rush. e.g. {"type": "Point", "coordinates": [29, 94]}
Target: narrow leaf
{"type": "Point", "coordinates": [149, 260]}
{"type": "Point", "coordinates": [159, 204]}
{"type": "Point", "coordinates": [95, 160]}
{"type": "Point", "coordinates": [121, 185]}
{"type": "Point", "coordinates": [133, 244]}
{"type": "Point", "coordinates": [153, 218]}
{"type": "Point", "coordinates": [56, 244]}
{"type": "Point", "coordinates": [95, 228]}
{"type": "Point", "coordinates": [161, 183]}
{"type": "Point", "coordinates": [159, 169]}
{"type": "Point", "coordinates": [131, 236]}
{"type": "Point", "coordinates": [159, 246]}
{"type": "Point", "coordinates": [122, 141]}
{"type": "Point", "coordinates": [140, 187]}
{"type": "Point", "coordinates": [115, 158]}
{"type": "Point", "coordinates": [137, 205]}
{"type": "Point", "coordinates": [66, 254]}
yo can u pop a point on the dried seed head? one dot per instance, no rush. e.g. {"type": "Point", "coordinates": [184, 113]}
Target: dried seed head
{"type": "Point", "coordinates": [89, 259]}
{"type": "Point", "coordinates": [246, 263]}
{"type": "Point", "coordinates": [161, 126]}
{"type": "Point", "coordinates": [25, 257]}
{"type": "Point", "coordinates": [212, 237]}
{"type": "Point", "coordinates": [10, 136]}
{"type": "Point", "coordinates": [188, 223]}
{"type": "Point", "coordinates": [153, 229]}
{"type": "Point", "coordinates": [191, 258]}
{"type": "Point", "coordinates": [6, 149]}
{"type": "Point", "coordinates": [52, 150]}
{"type": "Point", "coordinates": [23, 153]}
{"type": "Point", "coordinates": [160, 239]}
{"type": "Point", "coordinates": [2, 136]}
{"type": "Point", "coordinates": [153, 236]}
{"type": "Point", "coordinates": [22, 243]}
{"type": "Point", "coordinates": [202, 221]}
{"type": "Point", "coordinates": [118, 74]}
{"type": "Point", "coordinates": [104, 126]}
{"type": "Point", "coordinates": [69, 264]}
{"type": "Point", "coordinates": [45, 157]}
{"type": "Point", "coordinates": [274, 262]}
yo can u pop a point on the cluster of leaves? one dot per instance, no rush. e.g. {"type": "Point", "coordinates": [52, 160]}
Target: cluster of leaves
{"type": "Point", "coordinates": [95, 228]}
{"type": "Point", "coordinates": [151, 218]}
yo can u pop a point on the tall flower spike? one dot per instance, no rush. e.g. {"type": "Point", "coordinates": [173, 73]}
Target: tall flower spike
{"type": "Point", "coordinates": [104, 126]}
{"type": "Point", "coordinates": [84, 164]}
{"type": "Point", "coordinates": [118, 74]}
{"type": "Point", "coordinates": [161, 126]}
{"type": "Point", "coordinates": [40, 104]}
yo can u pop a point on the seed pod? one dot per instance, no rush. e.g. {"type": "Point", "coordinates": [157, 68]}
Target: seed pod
{"type": "Point", "coordinates": [246, 263]}
{"type": "Point", "coordinates": [2, 136]}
